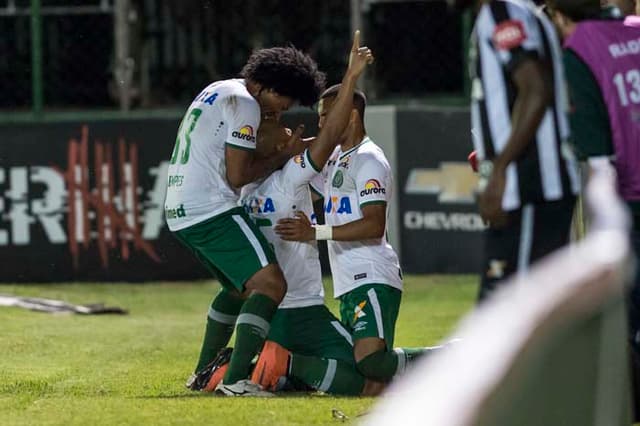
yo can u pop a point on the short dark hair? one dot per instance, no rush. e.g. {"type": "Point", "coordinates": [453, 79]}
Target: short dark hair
{"type": "Point", "coordinates": [359, 98]}
{"type": "Point", "coordinates": [288, 71]}
{"type": "Point", "coordinates": [576, 10]}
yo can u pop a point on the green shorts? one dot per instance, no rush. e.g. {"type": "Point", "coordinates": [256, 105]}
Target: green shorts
{"type": "Point", "coordinates": [230, 246]}
{"type": "Point", "coordinates": [371, 311]}
{"type": "Point", "coordinates": [312, 331]}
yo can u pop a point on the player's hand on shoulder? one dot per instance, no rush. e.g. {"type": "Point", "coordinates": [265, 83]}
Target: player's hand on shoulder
{"type": "Point", "coordinates": [359, 57]}
{"type": "Point", "coordinates": [297, 228]}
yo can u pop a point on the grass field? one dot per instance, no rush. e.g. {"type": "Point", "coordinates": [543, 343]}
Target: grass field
{"type": "Point", "coordinates": [113, 370]}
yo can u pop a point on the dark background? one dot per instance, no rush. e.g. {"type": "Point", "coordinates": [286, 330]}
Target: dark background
{"type": "Point", "coordinates": [179, 46]}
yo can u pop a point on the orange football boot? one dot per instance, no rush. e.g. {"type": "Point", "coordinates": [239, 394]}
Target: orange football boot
{"type": "Point", "coordinates": [215, 378]}
{"type": "Point", "coordinates": [272, 364]}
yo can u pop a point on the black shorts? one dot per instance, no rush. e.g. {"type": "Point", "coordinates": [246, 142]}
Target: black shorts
{"type": "Point", "coordinates": [532, 232]}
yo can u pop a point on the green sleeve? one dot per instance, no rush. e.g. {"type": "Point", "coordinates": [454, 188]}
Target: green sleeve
{"type": "Point", "coordinates": [590, 128]}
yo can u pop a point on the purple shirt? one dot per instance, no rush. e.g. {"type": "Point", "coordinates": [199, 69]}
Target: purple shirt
{"type": "Point", "coordinates": [611, 50]}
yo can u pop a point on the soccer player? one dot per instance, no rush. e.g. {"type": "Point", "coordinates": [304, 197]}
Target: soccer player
{"type": "Point", "coordinates": [604, 88]}
{"type": "Point", "coordinates": [212, 159]}
{"type": "Point", "coordinates": [356, 185]}
{"type": "Point", "coordinates": [528, 176]}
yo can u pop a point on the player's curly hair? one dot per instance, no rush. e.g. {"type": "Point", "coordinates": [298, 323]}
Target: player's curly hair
{"type": "Point", "coordinates": [288, 71]}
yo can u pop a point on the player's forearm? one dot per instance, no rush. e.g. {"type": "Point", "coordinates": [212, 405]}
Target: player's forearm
{"type": "Point", "coordinates": [528, 112]}
{"type": "Point", "coordinates": [257, 168]}
{"type": "Point", "coordinates": [362, 229]}
{"type": "Point", "coordinates": [336, 123]}
{"type": "Point", "coordinates": [527, 115]}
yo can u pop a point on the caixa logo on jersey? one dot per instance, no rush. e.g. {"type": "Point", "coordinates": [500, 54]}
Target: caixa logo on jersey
{"type": "Point", "coordinates": [338, 205]}
{"type": "Point", "coordinates": [259, 205]}
{"type": "Point", "coordinates": [244, 133]}
{"type": "Point", "coordinates": [372, 186]}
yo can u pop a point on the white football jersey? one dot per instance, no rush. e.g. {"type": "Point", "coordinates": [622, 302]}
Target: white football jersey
{"type": "Point", "coordinates": [197, 188]}
{"type": "Point", "coordinates": [277, 197]}
{"type": "Point", "coordinates": [350, 181]}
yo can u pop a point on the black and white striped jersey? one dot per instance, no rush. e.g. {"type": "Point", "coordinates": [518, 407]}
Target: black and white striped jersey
{"type": "Point", "coordinates": [506, 32]}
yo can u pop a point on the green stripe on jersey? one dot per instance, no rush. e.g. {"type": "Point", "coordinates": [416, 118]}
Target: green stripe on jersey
{"type": "Point", "coordinates": [244, 148]}
{"type": "Point", "coordinates": [315, 191]}
{"type": "Point", "coordinates": [370, 203]}
{"type": "Point", "coordinates": [365, 140]}
{"type": "Point", "coordinates": [316, 168]}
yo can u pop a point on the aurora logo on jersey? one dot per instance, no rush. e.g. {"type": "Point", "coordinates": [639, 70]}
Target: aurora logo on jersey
{"type": "Point", "coordinates": [372, 186]}
{"type": "Point", "coordinates": [245, 133]}
{"type": "Point", "coordinates": [338, 206]}
{"type": "Point", "coordinates": [259, 205]}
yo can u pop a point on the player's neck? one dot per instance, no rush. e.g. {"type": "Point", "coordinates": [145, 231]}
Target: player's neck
{"type": "Point", "coordinates": [253, 88]}
{"type": "Point", "coordinates": [353, 138]}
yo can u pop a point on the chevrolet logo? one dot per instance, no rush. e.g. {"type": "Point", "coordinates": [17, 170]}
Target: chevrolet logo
{"type": "Point", "coordinates": [453, 182]}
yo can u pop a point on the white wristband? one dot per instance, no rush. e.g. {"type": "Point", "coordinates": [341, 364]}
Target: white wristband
{"type": "Point", "coordinates": [324, 232]}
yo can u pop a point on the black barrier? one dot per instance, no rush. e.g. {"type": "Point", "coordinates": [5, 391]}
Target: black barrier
{"type": "Point", "coordinates": [438, 216]}
{"type": "Point", "coordinates": [85, 201]}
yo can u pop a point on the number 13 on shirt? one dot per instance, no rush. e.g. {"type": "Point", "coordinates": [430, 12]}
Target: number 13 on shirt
{"type": "Point", "coordinates": [184, 133]}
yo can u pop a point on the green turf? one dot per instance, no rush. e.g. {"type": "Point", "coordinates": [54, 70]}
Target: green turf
{"type": "Point", "coordinates": [112, 370]}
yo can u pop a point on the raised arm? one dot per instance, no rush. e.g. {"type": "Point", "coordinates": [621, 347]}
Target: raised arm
{"type": "Point", "coordinates": [338, 117]}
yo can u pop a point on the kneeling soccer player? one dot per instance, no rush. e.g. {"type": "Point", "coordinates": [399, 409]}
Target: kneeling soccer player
{"type": "Point", "coordinates": [356, 186]}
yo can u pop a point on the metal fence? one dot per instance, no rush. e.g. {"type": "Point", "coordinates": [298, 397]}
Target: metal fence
{"type": "Point", "coordinates": [133, 54]}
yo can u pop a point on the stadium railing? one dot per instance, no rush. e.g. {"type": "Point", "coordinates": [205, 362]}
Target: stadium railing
{"type": "Point", "coordinates": [548, 349]}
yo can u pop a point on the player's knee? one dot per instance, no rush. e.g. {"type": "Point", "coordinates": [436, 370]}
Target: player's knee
{"type": "Point", "coordinates": [366, 346]}
{"type": "Point", "coordinates": [270, 282]}
{"type": "Point", "coordinates": [278, 283]}
{"type": "Point", "coordinates": [369, 366]}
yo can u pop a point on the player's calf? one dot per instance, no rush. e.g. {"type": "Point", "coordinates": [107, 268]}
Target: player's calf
{"type": "Point", "coordinates": [375, 362]}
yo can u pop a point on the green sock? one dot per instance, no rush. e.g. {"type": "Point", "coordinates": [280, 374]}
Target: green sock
{"type": "Point", "coordinates": [252, 328]}
{"type": "Point", "coordinates": [220, 323]}
{"type": "Point", "coordinates": [383, 365]}
{"type": "Point", "coordinates": [327, 375]}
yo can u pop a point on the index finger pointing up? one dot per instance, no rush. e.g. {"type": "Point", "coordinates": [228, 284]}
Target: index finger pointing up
{"type": "Point", "coordinates": [356, 41]}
